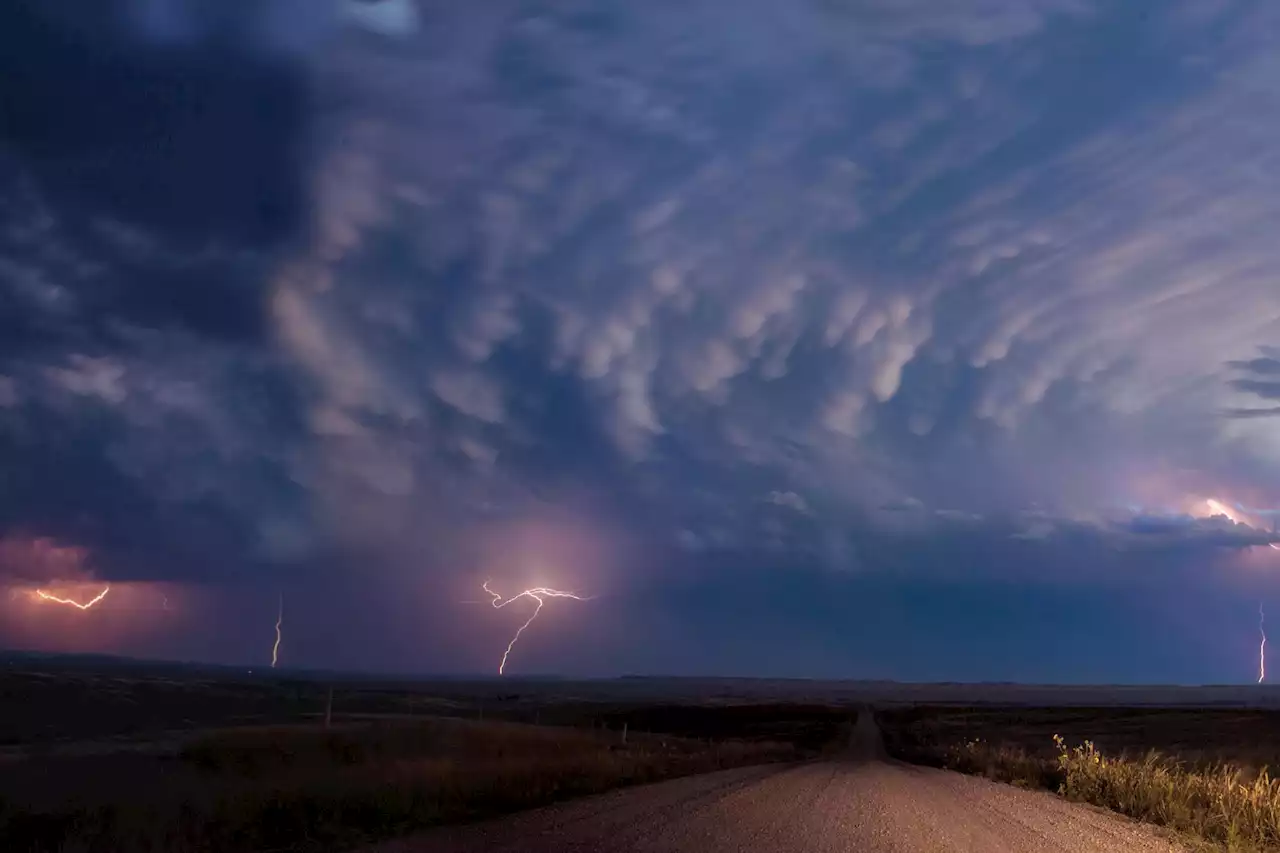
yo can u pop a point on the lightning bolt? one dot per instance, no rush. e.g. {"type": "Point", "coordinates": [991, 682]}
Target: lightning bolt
{"type": "Point", "coordinates": [538, 594]}
{"type": "Point", "coordinates": [275, 650]}
{"type": "Point", "coordinates": [40, 593]}
{"type": "Point", "coordinates": [1262, 648]}
{"type": "Point", "coordinates": [1217, 507]}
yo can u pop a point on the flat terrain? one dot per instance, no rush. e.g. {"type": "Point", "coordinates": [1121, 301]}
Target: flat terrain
{"type": "Point", "coordinates": [121, 760]}
{"type": "Point", "coordinates": [120, 756]}
{"type": "Point", "coordinates": [860, 803]}
{"type": "Point", "coordinates": [1246, 738]}
{"type": "Point", "coordinates": [1206, 774]}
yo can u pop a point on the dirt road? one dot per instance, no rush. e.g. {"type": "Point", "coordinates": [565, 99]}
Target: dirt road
{"type": "Point", "coordinates": [862, 803]}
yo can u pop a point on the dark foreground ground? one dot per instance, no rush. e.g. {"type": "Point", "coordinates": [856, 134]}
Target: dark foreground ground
{"type": "Point", "coordinates": [121, 758]}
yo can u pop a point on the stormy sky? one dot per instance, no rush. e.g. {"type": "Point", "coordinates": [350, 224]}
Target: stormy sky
{"type": "Point", "coordinates": [838, 338]}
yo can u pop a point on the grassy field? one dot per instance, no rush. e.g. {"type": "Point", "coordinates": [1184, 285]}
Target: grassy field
{"type": "Point", "coordinates": [125, 758]}
{"type": "Point", "coordinates": [295, 788]}
{"type": "Point", "coordinates": [1203, 773]}
{"type": "Point", "coordinates": [128, 762]}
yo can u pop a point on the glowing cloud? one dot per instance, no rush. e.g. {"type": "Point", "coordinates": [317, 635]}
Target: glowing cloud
{"type": "Point", "coordinates": [538, 594]}
{"type": "Point", "coordinates": [45, 596]}
{"type": "Point", "coordinates": [1217, 507]}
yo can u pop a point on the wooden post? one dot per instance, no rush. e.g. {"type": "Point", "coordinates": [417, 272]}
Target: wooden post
{"type": "Point", "coordinates": [624, 732]}
{"type": "Point", "coordinates": [328, 709]}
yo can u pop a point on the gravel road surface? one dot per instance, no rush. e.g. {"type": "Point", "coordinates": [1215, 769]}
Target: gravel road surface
{"type": "Point", "coordinates": [862, 803]}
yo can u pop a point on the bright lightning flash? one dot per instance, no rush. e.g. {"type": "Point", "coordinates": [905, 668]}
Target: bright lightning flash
{"type": "Point", "coordinates": [275, 649]}
{"type": "Point", "coordinates": [40, 593]}
{"type": "Point", "coordinates": [538, 594]}
{"type": "Point", "coordinates": [1262, 649]}
{"type": "Point", "coordinates": [1217, 507]}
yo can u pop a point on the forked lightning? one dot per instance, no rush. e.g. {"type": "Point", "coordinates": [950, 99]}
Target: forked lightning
{"type": "Point", "coordinates": [44, 596]}
{"type": "Point", "coordinates": [538, 594]}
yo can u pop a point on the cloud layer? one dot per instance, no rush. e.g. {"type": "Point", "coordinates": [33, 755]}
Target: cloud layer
{"type": "Point", "coordinates": [974, 293]}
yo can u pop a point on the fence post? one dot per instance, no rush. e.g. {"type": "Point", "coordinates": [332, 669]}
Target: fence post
{"type": "Point", "coordinates": [624, 732]}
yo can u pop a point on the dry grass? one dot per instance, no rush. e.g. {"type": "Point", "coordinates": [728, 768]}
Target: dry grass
{"type": "Point", "coordinates": [1003, 763]}
{"type": "Point", "coordinates": [289, 788]}
{"type": "Point", "coordinates": [138, 757]}
{"type": "Point", "coordinates": [1219, 803]}
{"type": "Point", "coordinates": [1216, 790]}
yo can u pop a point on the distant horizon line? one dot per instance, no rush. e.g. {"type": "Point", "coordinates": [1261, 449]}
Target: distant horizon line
{"type": "Point", "coordinates": [16, 655]}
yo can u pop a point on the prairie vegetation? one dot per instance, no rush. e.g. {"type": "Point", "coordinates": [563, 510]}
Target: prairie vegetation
{"type": "Point", "coordinates": [306, 788]}
{"type": "Point", "coordinates": [126, 762]}
{"type": "Point", "coordinates": [1202, 773]}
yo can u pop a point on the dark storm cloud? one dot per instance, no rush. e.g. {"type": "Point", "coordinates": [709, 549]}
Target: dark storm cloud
{"type": "Point", "coordinates": [910, 541]}
{"type": "Point", "coordinates": [1266, 389]}
{"type": "Point", "coordinates": [1259, 377]}
{"type": "Point", "coordinates": [711, 340]}
{"type": "Point", "coordinates": [746, 293]}
{"type": "Point", "coordinates": [1253, 413]}
{"type": "Point", "coordinates": [199, 140]}
{"type": "Point", "coordinates": [168, 459]}
{"type": "Point", "coordinates": [154, 155]}
{"type": "Point", "coordinates": [68, 281]}
{"type": "Point", "coordinates": [1266, 366]}
{"type": "Point", "coordinates": [155, 163]}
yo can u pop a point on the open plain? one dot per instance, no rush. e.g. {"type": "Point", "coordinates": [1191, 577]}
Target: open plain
{"type": "Point", "coordinates": [115, 755]}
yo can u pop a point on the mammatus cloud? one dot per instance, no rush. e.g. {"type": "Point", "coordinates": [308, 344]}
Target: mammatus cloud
{"type": "Point", "coordinates": [959, 290]}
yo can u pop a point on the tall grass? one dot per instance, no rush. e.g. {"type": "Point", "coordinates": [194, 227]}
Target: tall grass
{"type": "Point", "coordinates": [1220, 803]}
{"type": "Point", "coordinates": [1003, 763]}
